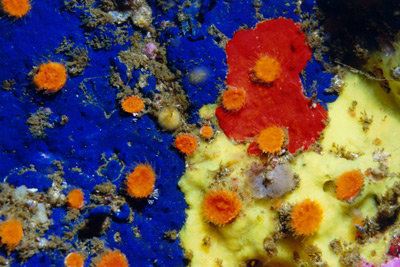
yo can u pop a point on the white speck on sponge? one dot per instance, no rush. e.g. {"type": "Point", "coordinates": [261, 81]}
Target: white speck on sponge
{"type": "Point", "coordinates": [41, 213]}
{"type": "Point", "coordinates": [120, 16]}
{"type": "Point", "coordinates": [21, 192]}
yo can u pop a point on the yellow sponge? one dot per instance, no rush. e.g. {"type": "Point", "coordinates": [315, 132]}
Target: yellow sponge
{"type": "Point", "coordinates": [361, 135]}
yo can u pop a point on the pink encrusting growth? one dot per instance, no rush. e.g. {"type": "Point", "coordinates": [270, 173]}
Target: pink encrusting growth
{"type": "Point", "coordinates": [392, 263]}
{"type": "Point", "coordinates": [266, 63]}
{"type": "Point", "coordinates": [150, 50]}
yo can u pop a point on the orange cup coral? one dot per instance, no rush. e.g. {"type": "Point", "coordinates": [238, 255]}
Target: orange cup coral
{"type": "Point", "coordinates": [266, 70]}
{"type": "Point", "coordinates": [186, 143]}
{"type": "Point", "coordinates": [206, 131]}
{"type": "Point", "coordinates": [349, 184]}
{"type": "Point", "coordinates": [16, 8]}
{"type": "Point", "coordinates": [11, 233]}
{"type": "Point", "coordinates": [140, 183]}
{"type": "Point", "coordinates": [234, 99]}
{"type": "Point", "coordinates": [221, 206]}
{"type": "Point", "coordinates": [74, 259]}
{"type": "Point", "coordinates": [51, 77]}
{"type": "Point", "coordinates": [75, 198]}
{"type": "Point", "coordinates": [271, 139]}
{"type": "Point", "coordinates": [113, 259]}
{"type": "Point", "coordinates": [132, 104]}
{"type": "Point", "coordinates": [306, 217]}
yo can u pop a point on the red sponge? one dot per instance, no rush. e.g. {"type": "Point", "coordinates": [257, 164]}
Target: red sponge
{"type": "Point", "coordinates": [281, 102]}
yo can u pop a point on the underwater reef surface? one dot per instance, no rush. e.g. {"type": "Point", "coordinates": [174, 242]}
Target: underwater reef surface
{"type": "Point", "coordinates": [90, 157]}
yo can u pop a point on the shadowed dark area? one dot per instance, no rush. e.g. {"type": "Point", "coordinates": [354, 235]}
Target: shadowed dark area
{"type": "Point", "coordinates": [355, 27]}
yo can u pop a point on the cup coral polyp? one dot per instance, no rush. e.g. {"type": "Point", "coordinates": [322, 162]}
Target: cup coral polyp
{"type": "Point", "coordinates": [266, 62]}
{"type": "Point", "coordinates": [113, 259]}
{"type": "Point", "coordinates": [74, 259]}
{"type": "Point", "coordinates": [169, 118]}
{"type": "Point", "coordinates": [306, 217]}
{"type": "Point", "coordinates": [206, 131]}
{"type": "Point", "coordinates": [16, 8]}
{"type": "Point", "coordinates": [186, 143]}
{"type": "Point", "coordinates": [221, 206]}
{"type": "Point", "coordinates": [51, 77]}
{"type": "Point", "coordinates": [11, 233]}
{"type": "Point", "coordinates": [271, 139]}
{"type": "Point", "coordinates": [349, 184]}
{"type": "Point", "coordinates": [234, 99]}
{"type": "Point", "coordinates": [132, 104]}
{"type": "Point", "coordinates": [266, 70]}
{"type": "Point", "coordinates": [75, 198]}
{"type": "Point", "coordinates": [140, 183]}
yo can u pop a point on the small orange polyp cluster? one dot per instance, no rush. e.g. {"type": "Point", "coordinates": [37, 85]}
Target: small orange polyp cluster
{"type": "Point", "coordinates": [271, 139]}
{"type": "Point", "coordinates": [266, 69]}
{"type": "Point", "coordinates": [186, 143]}
{"type": "Point", "coordinates": [132, 104]}
{"type": "Point", "coordinates": [75, 199]}
{"type": "Point", "coordinates": [306, 217]}
{"type": "Point", "coordinates": [113, 259]}
{"type": "Point", "coordinates": [206, 131]}
{"type": "Point", "coordinates": [16, 8]}
{"type": "Point", "coordinates": [140, 183]}
{"type": "Point", "coordinates": [221, 206]}
{"type": "Point", "coordinates": [234, 99]}
{"type": "Point", "coordinates": [349, 184]}
{"type": "Point", "coordinates": [11, 233]}
{"type": "Point", "coordinates": [51, 77]}
{"type": "Point", "coordinates": [74, 259]}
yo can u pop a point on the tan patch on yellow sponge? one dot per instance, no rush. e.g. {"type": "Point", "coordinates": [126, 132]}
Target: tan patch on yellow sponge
{"type": "Point", "coordinates": [224, 165]}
